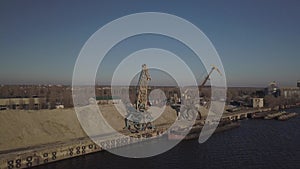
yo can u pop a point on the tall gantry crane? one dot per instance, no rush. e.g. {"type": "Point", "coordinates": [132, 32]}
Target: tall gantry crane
{"type": "Point", "coordinates": [206, 78]}
{"type": "Point", "coordinates": [140, 119]}
{"type": "Point", "coordinates": [187, 111]}
{"type": "Point", "coordinates": [142, 89]}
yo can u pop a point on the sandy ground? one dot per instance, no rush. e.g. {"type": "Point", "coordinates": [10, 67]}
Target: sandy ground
{"type": "Point", "coordinates": [21, 128]}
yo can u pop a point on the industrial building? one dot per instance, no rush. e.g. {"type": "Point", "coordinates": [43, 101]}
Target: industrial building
{"type": "Point", "coordinates": [290, 92]}
{"type": "Point", "coordinates": [22, 103]}
{"type": "Point", "coordinates": [257, 102]}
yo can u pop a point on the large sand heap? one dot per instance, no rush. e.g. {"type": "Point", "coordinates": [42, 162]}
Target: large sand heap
{"type": "Point", "coordinates": [23, 128]}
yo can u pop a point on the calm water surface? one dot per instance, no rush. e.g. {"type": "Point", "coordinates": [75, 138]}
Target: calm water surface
{"type": "Point", "coordinates": [259, 144]}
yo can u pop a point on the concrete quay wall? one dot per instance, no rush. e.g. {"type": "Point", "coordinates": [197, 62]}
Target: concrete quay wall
{"type": "Point", "coordinates": [34, 156]}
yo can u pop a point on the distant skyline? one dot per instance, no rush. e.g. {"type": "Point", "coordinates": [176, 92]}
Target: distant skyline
{"type": "Point", "coordinates": [257, 41]}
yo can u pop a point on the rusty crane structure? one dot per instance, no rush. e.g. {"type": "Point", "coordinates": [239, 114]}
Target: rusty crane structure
{"type": "Point", "coordinates": [187, 110]}
{"type": "Point", "coordinates": [139, 119]}
{"type": "Point", "coordinates": [142, 89]}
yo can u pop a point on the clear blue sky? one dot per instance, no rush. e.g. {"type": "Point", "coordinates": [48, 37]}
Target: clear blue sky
{"type": "Point", "coordinates": [258, 41]}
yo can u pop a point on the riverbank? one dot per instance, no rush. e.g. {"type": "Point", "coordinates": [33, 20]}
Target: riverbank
{"type": "Point", "coordinates": [261, 144]}
{"type": "Point", "coordinates": [71, 145]}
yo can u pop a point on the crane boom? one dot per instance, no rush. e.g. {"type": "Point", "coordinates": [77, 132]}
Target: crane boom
{"type": "Point", "coordinates": [207, 77]}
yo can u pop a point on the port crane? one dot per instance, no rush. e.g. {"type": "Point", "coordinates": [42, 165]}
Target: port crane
{"type": "Point", "coordinates": [187, 111]}
{"type": "Point", "coordinates": [142, 89]}
{"type": "Point", "coordinates": [139, 119]}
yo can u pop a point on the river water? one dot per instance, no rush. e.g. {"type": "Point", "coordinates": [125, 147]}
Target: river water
{"type": "Point", "coordinates": [259, 144]}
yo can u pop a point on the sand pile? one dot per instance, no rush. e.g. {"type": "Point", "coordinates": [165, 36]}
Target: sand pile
{"type": "Point", "coordinates": [22, 128]}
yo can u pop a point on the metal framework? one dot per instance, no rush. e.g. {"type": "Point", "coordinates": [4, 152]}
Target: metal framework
{"type": "Point", "coordinates": [188, 109]}
{"type": "Point", "coordinates": [139, 119]}
{"type": "Point", "coordinates": [207, 77]}
{"type": "Point", "coordinates": [142, 89]}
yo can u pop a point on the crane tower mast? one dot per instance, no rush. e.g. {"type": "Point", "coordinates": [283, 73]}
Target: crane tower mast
{"type": "Point", "coordinates": [142, 89]}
